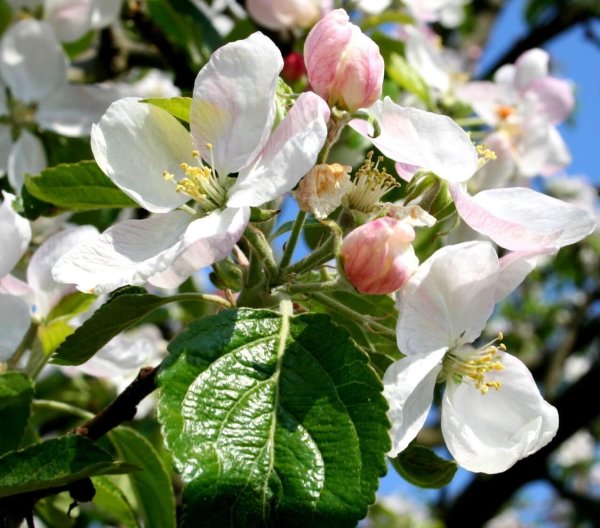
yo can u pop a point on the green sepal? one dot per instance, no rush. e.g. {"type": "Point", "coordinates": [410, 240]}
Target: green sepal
{"type": "Point", "coordinates": [420, 466]}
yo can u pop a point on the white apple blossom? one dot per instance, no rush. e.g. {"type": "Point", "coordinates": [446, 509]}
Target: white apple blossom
{"type": "Point", "coordinates": [151, 157]}
{"type": "Point", "coordinates": [492, 412]}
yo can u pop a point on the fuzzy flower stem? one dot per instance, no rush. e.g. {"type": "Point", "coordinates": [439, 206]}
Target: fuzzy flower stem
{"type": "Point", "coordinates": [338, 307]}
{"type": "Point", "coordinates": [293, 240]}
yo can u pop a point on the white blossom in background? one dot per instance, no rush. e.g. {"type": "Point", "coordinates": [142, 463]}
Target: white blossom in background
{"type": "Point", "coordinates": [524, 104]}
{"type": "Point", "coordinates": [577, 449]}
{"type": "Point", "coordinates": [287, 14]}
{"type": "Point", "coordinates": [492, 412]}
{"type": "Point", "coordinates": [152, 158]}
{"type": "Point", "coordinates": [449, 13]}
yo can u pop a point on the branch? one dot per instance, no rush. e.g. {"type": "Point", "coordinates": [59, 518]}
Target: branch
{"type": "Point", "coordinates": [577, 406]}
{"type": "Point", "coordinates": [123, 408]}
{"type": "Point", "coordinates": [561, 21]}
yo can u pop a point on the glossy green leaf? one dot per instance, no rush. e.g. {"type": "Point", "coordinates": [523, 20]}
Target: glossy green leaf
{"type": "Point", "coordinates": [420, 466]}
{"type": "Point", "coordinates": [178, 107]}
{"type": "Point", "coordinates": [16, 394]}
{"type": "Point", "coordinates": [120, 312]}
{"type": "Point", "coordinates": [55, 462]}
{"type": "Point", "coordinates": [152, 485]}
{"type": "Point", "coordinates": [273, 420]}
{"type": "Point", "coordinates": [76, 187]}
{"type": "Point", "coordinates": [113, 503]}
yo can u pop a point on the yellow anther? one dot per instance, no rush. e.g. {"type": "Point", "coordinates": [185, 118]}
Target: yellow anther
{"type": "Point", "coordinates": [195, 153]}
{"type": "Point", "coordinates": [209, 146]}
{"type": "Point", "coordinates": [168, 176]}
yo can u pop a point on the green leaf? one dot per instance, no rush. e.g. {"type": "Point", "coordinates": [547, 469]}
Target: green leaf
{"type": "Point", "coordinates": [55, 462]}
{"type": "Point", "coordinates": [178, 107]}
{"type": "Point", "coordinates": [273, 420]}
{"type": "Point", "coordinates": [113, 503]}
{"type": "Point", "coordinates": [152, 485]}
{"type": "Point", "coordinates": [71, 305]}
{"type": "Point", "coordinates": [16, 394]}
{"type": "Point", "coordinates": [53, 334]}
{"type": "Point", "coordinates": [420, 466]}
{"type": "Point", "coordinates": [127, 307]}
{"type": "Point", "coordinates": [77, 187]}
{"type": "Point", "coordinates": [209, 34]}
{"type": "Point", "coordinates": [408, 78]}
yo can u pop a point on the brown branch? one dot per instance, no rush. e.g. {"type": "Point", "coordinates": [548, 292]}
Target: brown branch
{"type": "Point", "coordinates": [123, 408]}
{"type": "Point", "coordinates": [559, 22]}
{"type": "Point", "coordinates": [577, 406]}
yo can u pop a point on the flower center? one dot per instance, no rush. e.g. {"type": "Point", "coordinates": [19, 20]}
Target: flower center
{"type": "Point", "coordinates": [202, 184]}
{"type": "Point", "coordinates": [473, 365]}
{"type": "Point", "coordinates": [370, 184]}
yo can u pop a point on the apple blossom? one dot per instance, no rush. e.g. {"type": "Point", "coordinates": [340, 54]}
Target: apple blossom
{"type": "Point", "coordinates": [321, 191]}
{"type": "Point", "coordinates": [152, 158]}
{"type": "Point", "coordinates": [344, 66]}
{"type": "Point", "coordinates": [525, 104]}
{"type": "Point", "coordinates": [492, 412]}
{"type": "Point", "coordinates": [378, 256]}
{"type": "Point", "coordinates": [448, 13]}
{"type": "Point", "coordinates": [286, 14]}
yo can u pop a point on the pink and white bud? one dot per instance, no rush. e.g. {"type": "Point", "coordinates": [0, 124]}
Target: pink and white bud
{"type": "Point", "coordinates": [379, 257]}
{"type": "Point", "coordinates": [320, 192]}
{"type": "Point", "coordinates": [344, 66]}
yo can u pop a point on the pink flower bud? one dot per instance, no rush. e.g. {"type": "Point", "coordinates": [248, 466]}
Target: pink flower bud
{"type": "Point", "coordinates": [344, 66]}
{"type": "Point", "coordinates": [293, 67]}
{"type": "Point", "coordinates": [378, 256]}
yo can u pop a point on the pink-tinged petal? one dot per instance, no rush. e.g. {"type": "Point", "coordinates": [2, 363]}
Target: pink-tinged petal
{"type": "Point", "coordinates": [134, 143]}
{"type": "Point", "coordinates": [558, 155]}
{"type": "Point", "coordinates": [15, 234]}
{"type": "Point", "coordinates": [32, 61]}
{"type": "Point", "coordinates": [70, 19]}
{"type": "Point", "coordinates": [73, 110]}
{"type": "Point", "coordinates": [39, 271]}
{"type": "Point", "coordinates": [489, 433]}
{"type": "Point", "coordinates": [27, 156]}
{"type": "Point", "coordinates": [530, 66]}
{"type": "Point", "coordinates": [486, 98]}
{"type": "Point", "coordinates": [505, 75]}
{"type": "Point", "coordinates": [498, 172]}
{"type": "Point", "coordinates": [406, 171]}
{"type": "Point", "coordinates": [514, 267]}
{"type": "Point", "coordinates": [408, 387]}
{"type": "Point", "coordinates": [12, 286]}
{"type": "Point", "coordinates": [127, 253]}
{"type": "Point", "coordinates": [14, 323]}
{"type": "Point", "coordinates": [233, 107]}
{"type": "Point", "coordinates": [448, 299]}
{"type": "Point", "coordinates": [431, 141]}
{"type": "Point", "coordinates": [521, 219]}
{"type": "Point", "coordinates": [555, 98]}
{"type": "Point", "coordinates": [289, 154]}
{"type": "Point", "coordinates": [206, 240]}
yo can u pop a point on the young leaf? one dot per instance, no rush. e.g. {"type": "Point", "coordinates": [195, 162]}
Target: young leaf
{"type": "Point", "coordinates": [121, 311]}
{"type": "Point", "coordinates": [420, 466]}
{"type": "Point", "coordinates": [16, 394]}
{"type": "Point", "coordinates": [55, 462]}
{"type": "Point", "coordinates": [77, 187]}
{"type": "Point", "coordinates": [152, 485]}
{"type": "Point", "coordinates": [273, 420]}
{"type": "Point", "coordinates": [178, 107]}
{"type": "Point", "coordinates": [408, 78]}
{"type": "Point", "coordinates": [110, 499]}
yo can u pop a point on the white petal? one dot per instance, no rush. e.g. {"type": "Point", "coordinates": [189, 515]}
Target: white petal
{"type": "Point", "coordinates": [289, 154]}
{"type": "Point", "coordinates": [15, 234]}
{"type": "Point", "coordinates": [558, 154]}
{"type": "Point", "coordinates": [127, 253]}
{"type": "Point", "coordinates": [3, 100]}
{"type": "Point", "coordinates": [105, 12]}
{"type": "Point", "coordinates": [70, 19]}
{"type": "Point", "coordinates": [428, 140]}
{"type": "Point", "coordinates": [5, 146]}
{"type": "Point", "coordinates": [73, 110]}
{"type": "Point", "coordinates": [14, 323]}
{"type": "Point", "coordinates": [14, 286]}
{"type": "Point", "coordinates": [32, 61]}
{"type": "Point", "coordinates": [521, 219]}
{"type": "Point", "coordinates": [39, 271]}
{"type": "Point", "coordinates": [207, 240]}
{"type": "Point", "coordinates": [408, 387]}
{"type": "Point", "coordinates": [489, 433]}
{"type": "Point", "coordinates": [134, 143]}
{"type": "Point", "coordinates": [449, 298]}
{"type": "Point", "coordinates": [514, 267]}
{"type": "Point", "coordinates": [233, 107]}
{"type": "Point", "coordinates": [27, 156]}
{"type": "Point", "coordinates": [531, 65]}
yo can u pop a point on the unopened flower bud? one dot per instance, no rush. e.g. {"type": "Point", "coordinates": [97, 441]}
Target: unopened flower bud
{"type": "Point", "coordinates": [320, 192]}
{"type": "Point", "coordinates": [293, 67]}
{"type": "Point", "coordinates": [379, 257]}
{"type": "Point", "coordinates": [344, 66]}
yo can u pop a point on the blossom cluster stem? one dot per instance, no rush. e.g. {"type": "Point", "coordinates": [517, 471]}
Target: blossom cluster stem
{"type": "Point", "coordinates": [338, 307]}
{"type": "Point", "coordinates": [261, 248]}
{"type": "Point", "coordinates": [308, 287]}
{"type": "Point", "coordinates": [288, 252]}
